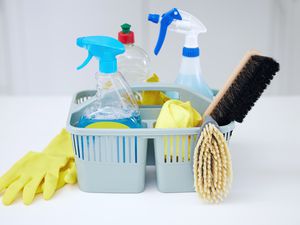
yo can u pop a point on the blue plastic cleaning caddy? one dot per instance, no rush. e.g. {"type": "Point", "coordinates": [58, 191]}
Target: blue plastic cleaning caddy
{"type": "Point", "coordinates": [114, 160]}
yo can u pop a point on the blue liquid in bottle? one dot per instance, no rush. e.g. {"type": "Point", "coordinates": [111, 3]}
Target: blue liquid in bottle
{"type": "Point", "coordinates": [114, 107]}
{"type": "Point", "coordinates": [130, 122]}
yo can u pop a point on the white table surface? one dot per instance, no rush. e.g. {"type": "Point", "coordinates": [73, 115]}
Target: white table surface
{"type": "Point", "coordinates": [265, 153]}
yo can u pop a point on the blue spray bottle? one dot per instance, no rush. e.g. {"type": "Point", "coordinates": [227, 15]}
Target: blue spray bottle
{"type": "Point", "coordinates": [114, 105]}
{"type": "Point", "coordinates": [190, 73]}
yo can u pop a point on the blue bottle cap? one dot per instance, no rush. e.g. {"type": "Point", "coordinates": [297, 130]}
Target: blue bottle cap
{"type": "Point", "coordinates": [190, 52]}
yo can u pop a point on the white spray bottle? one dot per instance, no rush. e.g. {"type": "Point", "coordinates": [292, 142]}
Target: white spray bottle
{"type": "Point", "coordinates": [190, 73]}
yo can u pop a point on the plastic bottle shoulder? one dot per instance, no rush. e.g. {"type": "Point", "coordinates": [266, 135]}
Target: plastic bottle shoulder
{"type": "Point", "coordinates": [136, 51]}
{"type": "Point", "coordinates": [134, 64]}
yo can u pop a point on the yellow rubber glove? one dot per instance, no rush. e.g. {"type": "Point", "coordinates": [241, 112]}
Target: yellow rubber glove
{"type": "Point", "coordinates": [62, 145]}
{"type": "Point", "coordinates": [32, 165]}
{"type": "Point", "coordinates": [28, 173]}
{"type": "Point", "coordinates": [67, 175]}
{"type": "Point", "coordinates": [178, 114]}
{"type": "Point", "coordinates": [153, 97]}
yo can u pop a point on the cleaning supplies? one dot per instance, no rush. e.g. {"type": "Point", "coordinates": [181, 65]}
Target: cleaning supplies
{"type": "Point", "coordinates": [212, 163]}
{"type": "Point", "coordinates": [243, 88]}
{"type": "Point", "coordinates": [114, 105]}
{"type": "Point", "coordinates": [178, 114]}
{"type": "Point", "coordinates": [134, 63]}
{"type": "Point", "coordinates": [40, 172]}
{"type": "Point", "coordinates": [153, 97]}
{"type": "Point", "coordinates": [212, 170]}
{"type": "Point", "coordinates": [190, 73]}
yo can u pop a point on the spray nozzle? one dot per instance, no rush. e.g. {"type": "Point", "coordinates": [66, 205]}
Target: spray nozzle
{"type": "Point", "coordinates": [104, 48]}
{"type": "Point", "coordinates": [165, 20]}
{"type": "Point", "coordinates": [154, 18]}
{"type": "Point", "coordinates": [180, 22]}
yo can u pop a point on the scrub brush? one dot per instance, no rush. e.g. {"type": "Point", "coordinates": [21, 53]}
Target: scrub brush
{"type": "Point", "coordinates": [242, 88]}
{"type": "Point", "coordinates": [212, 164]}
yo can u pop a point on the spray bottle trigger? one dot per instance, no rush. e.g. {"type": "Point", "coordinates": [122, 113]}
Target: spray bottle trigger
{"type": "Point", "coordinates": [86, 61]}
{"type": "Point", "coordinates": [166, 20]}
{"type": "Point", "coordinates": [161, 39]}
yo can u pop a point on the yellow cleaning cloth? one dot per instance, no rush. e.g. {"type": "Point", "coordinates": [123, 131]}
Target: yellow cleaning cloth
{"type": "Point", "coordinates": [153, 97]}
{"type": "Point", "coordinates": [178, 114]}
{"type": "Point", "coordinates": [40, 172]}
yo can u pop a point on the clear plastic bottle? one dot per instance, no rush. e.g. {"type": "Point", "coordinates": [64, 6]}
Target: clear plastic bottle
{"type": "Point", "coordinates": [134, 63]}
{"type": "Point", "coordinates": [190, 73]}
{"type": "Point", "coordinates": [114, 105]}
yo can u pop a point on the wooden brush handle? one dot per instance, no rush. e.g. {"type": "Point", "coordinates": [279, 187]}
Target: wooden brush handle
{"type": "Point", "coordinates": [229, 82]}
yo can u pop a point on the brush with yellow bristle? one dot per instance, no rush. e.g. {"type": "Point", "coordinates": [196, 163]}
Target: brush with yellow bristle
{"type": "Point", "coordinates": [212, 163]}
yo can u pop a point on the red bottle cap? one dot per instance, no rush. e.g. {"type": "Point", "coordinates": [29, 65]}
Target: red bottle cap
{"type": "Point", "coordinates": [126, 36]}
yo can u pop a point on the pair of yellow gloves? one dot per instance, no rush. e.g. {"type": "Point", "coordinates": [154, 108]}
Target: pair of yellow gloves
{"type": "Point", "coordinates": [40, 172]}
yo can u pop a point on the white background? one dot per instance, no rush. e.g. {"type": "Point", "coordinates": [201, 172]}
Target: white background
{"type": "Point", "coordinates": [38, 54]}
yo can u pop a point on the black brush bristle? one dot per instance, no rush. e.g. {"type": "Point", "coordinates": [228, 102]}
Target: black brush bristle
{"type": "Point", "coordinates": [245, 90]}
